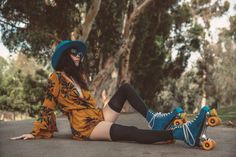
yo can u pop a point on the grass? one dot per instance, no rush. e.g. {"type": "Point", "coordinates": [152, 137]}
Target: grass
{"type": "Point", "coordinates": [226, 114]}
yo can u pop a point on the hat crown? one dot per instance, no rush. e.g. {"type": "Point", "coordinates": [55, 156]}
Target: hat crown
{"type": "Point", "coordinates": [65, 45]}
{"type": "Point", "coordinates": [61, 44]}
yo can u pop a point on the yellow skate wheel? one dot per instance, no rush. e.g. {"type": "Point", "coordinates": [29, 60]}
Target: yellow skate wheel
{"type": "Point", "coordinates": [178, 122]}
{"type": "Point", "coordinates": [213, 112]}
{"type": "Point", "coordinates": [214, 142]}
{"type": "Point", "coordinates": [213, 121]}
{"type": "Point", "coordinates": [208, 145]}
{"type": "Point", "coordinates": [220, 121]}
{"type": "Point", "coordinates": [183, 115]}
{"type": "Point", "coordinates": [184, 120]}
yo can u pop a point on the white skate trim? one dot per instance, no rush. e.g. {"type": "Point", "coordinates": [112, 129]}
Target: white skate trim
{"type": "Point", "coordinates": [151, 123]}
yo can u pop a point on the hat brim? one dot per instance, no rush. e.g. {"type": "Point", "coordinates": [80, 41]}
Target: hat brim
{"type": "Point", "coordinates": [65, 45]}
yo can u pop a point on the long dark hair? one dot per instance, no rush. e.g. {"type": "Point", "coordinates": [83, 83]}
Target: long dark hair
{"type": "Point", "coordinates": [67, 65]}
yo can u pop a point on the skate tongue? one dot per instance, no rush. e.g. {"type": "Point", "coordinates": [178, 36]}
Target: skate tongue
{"type": "Point", "coordinates": [179, 110]}
{"type": "Point", "coordinates": [188, 136]}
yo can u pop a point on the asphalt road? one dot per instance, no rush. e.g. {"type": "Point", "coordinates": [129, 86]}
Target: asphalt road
{"type": "Point", "coordinates": [63, 146]}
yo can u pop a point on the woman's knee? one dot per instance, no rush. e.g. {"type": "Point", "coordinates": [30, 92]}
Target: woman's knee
{"type": "Point", "coordinates": [125, 86]}
{"type": "Point", "coordinates": [110, 114]}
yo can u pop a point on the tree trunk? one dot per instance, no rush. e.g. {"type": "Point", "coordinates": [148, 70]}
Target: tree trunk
{"type": "Point", "coordinates": [204, 95]}
{"type": "Point", "coordinates": [89, 19]}
{"type": "Point", "coordinates": [116, 69]}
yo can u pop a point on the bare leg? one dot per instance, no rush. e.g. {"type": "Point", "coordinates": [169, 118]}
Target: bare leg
{"type": "Point", "coordinates": [108, 131]}
{"type": "Point", "coordinates": [109, 114]}
{"type": "Point", "coordinates": [101, 131]}
{"type": "Point", "coordinates": [112, 111]}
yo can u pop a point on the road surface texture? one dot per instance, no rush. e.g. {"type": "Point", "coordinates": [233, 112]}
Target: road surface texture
{"type": "Point", "coordinates": [63, 146]}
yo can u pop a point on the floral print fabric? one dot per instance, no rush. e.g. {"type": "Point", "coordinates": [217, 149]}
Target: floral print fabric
{"type": "Point", "coordinates": [81, 111]}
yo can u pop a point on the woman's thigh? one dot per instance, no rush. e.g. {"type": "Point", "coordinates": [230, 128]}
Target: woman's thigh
{"type": "Point", "coordinates": [101, 131]}
{"type": "Point", "coordinates": [109, 114]}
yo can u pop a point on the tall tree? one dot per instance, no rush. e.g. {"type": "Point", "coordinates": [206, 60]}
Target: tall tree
{"type": "Point", "coordinates": [128, 40]}
{"type": "Point", "coordinates": [223, 71]}
{"type": "Point", "coordinates": [205, 11]}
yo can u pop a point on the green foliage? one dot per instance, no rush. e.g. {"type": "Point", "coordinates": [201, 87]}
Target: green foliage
{"type": "Point", "coordinates": [196, 30]}
{"type": "Point", "coordinates": [184, 91]}
{"type": "Point", "coordinates": [3, 65]}
{"type": "Point", "coordinates": [200, 2]}
{"type": "Point", "coordinates": [166, 97]}
{"type": "Point", "coordinates": [232, 31]}
{"type": "Point", "coordinates": [36, 85]}
{"type": "Point", "coordinates": [22, 90]}
{"type": "Point", "coordinates": [226, 6]}
{"type": "Point", "coordinates": [223, 73]}
{"type": "Point", "coordinates": [160, 42]}
{"type": "Point", "coordinates": [181, 15]}
{"type": "Point", "coordinates": [151, 57]}
{"type": "Point", "coordinates": [32, 26]}
{"type": "Point", "coordinates": [105, 37]}
{"type": "Point", "coordinates": [197, 33]}
{"type": "Point", "coordinates": [228, 113]}
{"type": "Point", "coordinates": [166, 26]}
{"type": "Point", "coordinates": [188, 89]}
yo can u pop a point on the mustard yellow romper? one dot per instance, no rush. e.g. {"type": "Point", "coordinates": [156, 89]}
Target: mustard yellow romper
{"type": "Point", "coordinates": [81, 111]}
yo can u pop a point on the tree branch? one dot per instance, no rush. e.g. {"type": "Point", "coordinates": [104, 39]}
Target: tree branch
{"type": "Point", "coordinates": [135, 14]}
{"type": "Point", "coordinates": [56, 38]}
{"type": "Point", "coordinates": [90, 17]}
{"type": "Point", "coordinates": [10, 24]}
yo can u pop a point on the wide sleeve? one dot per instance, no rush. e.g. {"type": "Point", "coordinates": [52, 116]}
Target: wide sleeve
{"type": "Point", "coordinates": [45, 125]}
{"type": "Point", "coordinates": [89, 98]}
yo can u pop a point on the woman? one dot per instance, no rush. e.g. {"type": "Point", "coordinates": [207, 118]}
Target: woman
{"type": "Point", "coordinates": [67, 88]}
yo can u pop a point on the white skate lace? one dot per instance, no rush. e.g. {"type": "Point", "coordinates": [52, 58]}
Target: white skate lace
{"type": "Point", "coordinates": [187, 133]}
{"type": "Point", "coordinates": [151, 123]}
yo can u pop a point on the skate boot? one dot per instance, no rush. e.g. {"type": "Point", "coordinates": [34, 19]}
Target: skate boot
{"type": "Point", "coordinates": [163, 121]}
{"type": "Point", "coordinates": [193, 133]}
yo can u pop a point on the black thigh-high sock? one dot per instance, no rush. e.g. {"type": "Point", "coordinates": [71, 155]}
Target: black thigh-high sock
{"type": "Point", "coordinates": [126, 92]}
{"type": "Point", "coordinates": [131, 133]}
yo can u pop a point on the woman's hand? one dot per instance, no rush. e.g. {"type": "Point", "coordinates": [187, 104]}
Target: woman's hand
{"type": "Point", "coordinates": [24, 137]}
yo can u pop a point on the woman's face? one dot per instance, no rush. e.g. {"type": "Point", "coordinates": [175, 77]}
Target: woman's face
{"type": "Point", "coordinates": [76, 59]}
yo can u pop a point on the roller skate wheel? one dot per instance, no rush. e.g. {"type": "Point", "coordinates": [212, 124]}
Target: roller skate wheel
{"type": "Point", "coordinates": [220, 121]}
{"type": "Point", "coordinates": [213, 121]}
{"type": "Point", "coordinates": [213, 112]}
{"type": "Point", "coordinates": [184, 120]}
{"type": "Point", "coordinates": [178, 122]}
{"type": "Point", "coordinates": [208, 144]}
{"type": "Point", "coordinates": [214, 142]}
{"type": "Point", "coordinates": [183, 115]}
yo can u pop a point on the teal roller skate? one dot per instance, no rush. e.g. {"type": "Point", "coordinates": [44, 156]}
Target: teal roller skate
{"type": "Point", "coordinates": [193, 133]}
{"type": "Point", "coordinates": [163, 121]}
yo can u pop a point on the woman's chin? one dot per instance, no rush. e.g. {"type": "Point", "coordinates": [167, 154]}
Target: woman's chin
{"type": "Point", "coordinates": [77, 64]}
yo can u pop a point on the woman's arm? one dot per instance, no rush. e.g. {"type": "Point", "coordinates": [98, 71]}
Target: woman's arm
{"type": "Point", "coordinates": [45, 125]}
{"type": "Point", "coordinates": [24, 137]}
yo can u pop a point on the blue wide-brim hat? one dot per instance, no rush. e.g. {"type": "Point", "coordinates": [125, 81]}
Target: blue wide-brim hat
{"type": "Point", "coordinates": [63, 47]}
